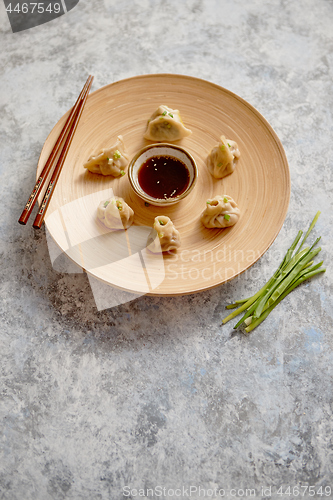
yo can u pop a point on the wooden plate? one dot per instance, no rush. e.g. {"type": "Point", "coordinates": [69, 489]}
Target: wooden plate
{"type": "Point", "coordinates": [208, 257]}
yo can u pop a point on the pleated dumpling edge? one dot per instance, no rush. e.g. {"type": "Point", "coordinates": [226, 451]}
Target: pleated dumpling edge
{"type": "Point", "coordinates": [165, 124]}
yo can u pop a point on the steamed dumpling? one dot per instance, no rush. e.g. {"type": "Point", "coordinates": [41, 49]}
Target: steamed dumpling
{"type": "Point", "coordinates": [166, 125]}
{"type": "Point", "coordinates": [110, 161]}
{"type": "Point", "coordinates": [223, 158]}
{"type": "Point", "coordinates": [115, 213]}
{"type": "Point", "coordinates": [220, 212]}
{"type": "Point", "coordinates": [164, 236]}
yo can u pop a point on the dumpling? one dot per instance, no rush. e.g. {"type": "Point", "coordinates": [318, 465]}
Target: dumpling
{"type": "Point", "coordinates": [220, 212]}
{"type": "Point", "coordinates": [223, 158]}
{"type": "Point", "coordinates": [115, 213]}
{"type": "Point", "coordinates": [110, 161]}
{"type": "Point", "coordinates": [166, 125]}
{"type": "Point", "coordinates": [164, 236]}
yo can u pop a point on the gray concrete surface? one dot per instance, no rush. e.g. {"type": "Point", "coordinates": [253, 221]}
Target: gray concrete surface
{"type": "Point", "coordinates": [154, 393]}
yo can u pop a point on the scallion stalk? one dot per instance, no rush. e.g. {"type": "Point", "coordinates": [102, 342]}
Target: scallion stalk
{"type": "Point", "coordinates": [295, 268]}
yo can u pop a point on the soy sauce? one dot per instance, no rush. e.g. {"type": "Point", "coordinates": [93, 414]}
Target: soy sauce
{"type": "Point", "coordinates": [163, 177]}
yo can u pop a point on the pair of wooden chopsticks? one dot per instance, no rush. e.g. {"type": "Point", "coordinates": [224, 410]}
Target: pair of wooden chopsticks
{"type": "Point", "coordinates": [69, 129]}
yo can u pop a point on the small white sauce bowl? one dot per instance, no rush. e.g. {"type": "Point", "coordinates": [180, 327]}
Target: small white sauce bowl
{"type": "Point", "coordinates": [161, 149]}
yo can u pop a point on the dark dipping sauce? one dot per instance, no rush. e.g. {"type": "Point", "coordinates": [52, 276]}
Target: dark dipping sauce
{"type": "Point", "coordinates": [163, 177]}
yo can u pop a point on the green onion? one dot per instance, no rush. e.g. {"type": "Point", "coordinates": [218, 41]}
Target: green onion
{"type": "Point", "coordinates": [208, 202]}
{"type": "Point", "coordinates": [225, 200]}
{"type": "Point", "coordinates": [164, 113]}
{"type": "Point", "coordinates": [227, 216]}
{"type": "Point", "coordinates": [222, 147]}
{"type": "Point", "coordinates": [295, 268]}
{"type": "Point", "coordinates": [297, 282]}
{"type": "Point", "coordinates": [106, 203]}
{"type": "Point", "coordinates": [161, 222]}
{"type": "Point", "coordinates": [168, 125]}
{"type": "Point", "coordinates": [219, 164]}
{"type": "Point", "coordinates": [309, 230]}
{"type": "Point", "coordinates": [122, 172]}
{"type": "Point", "coordinates": [170, 114]}
{"type": "Point", "coordinates": [116, 154]}
{"type": "Point", "coordinates": [108, 159]}
{"type": "Point", "coordinates": [229, 145]}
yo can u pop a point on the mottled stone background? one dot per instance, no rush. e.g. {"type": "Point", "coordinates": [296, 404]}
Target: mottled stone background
{"type": "Point", "coordinates": [154, 392]}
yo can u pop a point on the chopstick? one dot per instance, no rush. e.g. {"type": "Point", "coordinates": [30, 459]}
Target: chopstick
{"type": "Point", "coordinates": [70, 122]}
{"type": "Point", "coordinates": [57, 170]}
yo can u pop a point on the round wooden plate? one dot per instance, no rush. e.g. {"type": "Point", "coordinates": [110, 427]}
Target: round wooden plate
{"type": "Point", "coordinates": [208, 257]}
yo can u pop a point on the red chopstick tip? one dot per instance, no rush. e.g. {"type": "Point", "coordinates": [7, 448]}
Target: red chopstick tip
{"type": "Point", "coordinates": [37, 225]}
{"type": "Point", "coordinates": [38, 221]}
{"type": "Point", "coordinates": [24, 217]}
